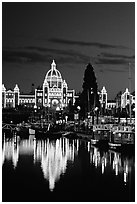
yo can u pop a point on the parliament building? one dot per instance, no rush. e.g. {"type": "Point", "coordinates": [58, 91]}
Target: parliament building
{"type": "Point", "coordinates": [54, 93]}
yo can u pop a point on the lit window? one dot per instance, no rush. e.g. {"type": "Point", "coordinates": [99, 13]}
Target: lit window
{"type": "Point", "coordinates": [40, 100]}
{"type": "Point", "coordinates": [39, 94]}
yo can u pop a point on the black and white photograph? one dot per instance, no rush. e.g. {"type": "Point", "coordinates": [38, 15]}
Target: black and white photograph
{"type": "Point", "coordinates": [68, 101]}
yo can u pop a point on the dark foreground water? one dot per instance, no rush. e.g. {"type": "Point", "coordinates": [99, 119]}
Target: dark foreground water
{"type": "Point", "coordinates": [64, 170]}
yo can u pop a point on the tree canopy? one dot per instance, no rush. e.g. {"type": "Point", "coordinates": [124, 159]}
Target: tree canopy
{"type": "Point", "coordinates": [90, 79]}
{"type": "Point", "coordinates": [89, 98]}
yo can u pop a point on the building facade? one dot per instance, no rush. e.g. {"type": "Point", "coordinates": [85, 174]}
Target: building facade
{"type": "Point", "coordinates": [121, 101]}
{"type": "Point", "coordinates": [54, 93]}
{"type": "Point", "coordinates": [127, 98]}
{"type": "Point", "coordinates": [103, 97]}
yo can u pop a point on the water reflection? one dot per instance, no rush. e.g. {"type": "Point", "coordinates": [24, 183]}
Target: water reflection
{"type": "Point", "coordinates": [121, 165]}
{"type": "Point", "coordinates": [10, 151]}
{"type": "Point", "coordinates": [52, 155]}
{"type": "Point", "coordinates": [55, 156]}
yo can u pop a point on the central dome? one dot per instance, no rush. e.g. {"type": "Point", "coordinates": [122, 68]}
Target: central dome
{"type": "Point", "coordinates": [53, 77]}
{"type": "Point", "coordinates": [53, 72]}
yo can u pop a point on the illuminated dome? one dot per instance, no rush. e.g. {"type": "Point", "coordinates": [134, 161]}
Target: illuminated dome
{"type": "Point", "coordinates": [53, 72]}
{"type": "Point", "coordinates": [53, 77]}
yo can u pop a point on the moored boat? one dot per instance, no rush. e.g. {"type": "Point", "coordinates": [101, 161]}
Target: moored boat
{"type": "Point", "coordinates": [39, 129]}
{"type": "Point", "coordinates": [70, 135]}
{"type": "Point", "coordinates": [31, 131]}
{"type": "Point", "coordinates": [100, 136]}
{"type": "Point", "coordinates": [22, 130]}
{"type": "Point", "coordinates": [122, 138]}
{"type": "Point", "coordinates": [47, 131]}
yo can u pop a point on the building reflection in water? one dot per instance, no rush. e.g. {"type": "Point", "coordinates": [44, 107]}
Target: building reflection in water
{"type": "Point", "coordinates": [118, 163]}
{"type": "Point", "coordinates": [54, 156]}
{"type": "Point", "coordinates": [10, 151]}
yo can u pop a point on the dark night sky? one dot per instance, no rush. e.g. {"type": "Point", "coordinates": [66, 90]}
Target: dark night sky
{"type": "Point", "coordinates": [73, 34]}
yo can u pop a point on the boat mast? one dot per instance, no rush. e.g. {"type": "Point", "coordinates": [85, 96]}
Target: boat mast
{"type": "Point", "coordinates": [88, 102]}
{"type": "Point", "coordinates": [129, 80]}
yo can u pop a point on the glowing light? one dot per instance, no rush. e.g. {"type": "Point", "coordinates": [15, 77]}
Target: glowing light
{"type": "Point", "coordinates": [77, 145]}
{"type": "Point", "coordinates": [54, 159]}
{"type": "Point", "coordinates": [116, 169]}
{"type": "Point", "coordinates": [88, 146]}
{"type": "Point", "coordinates": [103, 120]}
{"type": "Point", "coordinates": [10, 151]}
{"type": "Point", "coordinates": [125, 177]}
{"type": "Point", "coordinates": [15, 157]}
{"type": "Point", "coordinates": [103, 168]}
{"type": "Point", "coordinates": [105, 162]}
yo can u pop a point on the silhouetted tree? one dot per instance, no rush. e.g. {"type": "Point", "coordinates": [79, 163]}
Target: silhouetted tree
{"type": "Point", "coordinates": [89, 97]}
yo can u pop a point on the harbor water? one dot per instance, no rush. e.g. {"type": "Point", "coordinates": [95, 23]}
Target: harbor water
{"type": "Point", "coordinates": [64, 170]}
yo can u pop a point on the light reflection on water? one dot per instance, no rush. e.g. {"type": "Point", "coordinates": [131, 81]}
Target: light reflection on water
{"type": "Point", "coordinates": [118, 163]}
{"type": "Point", "coordinates": [10, 151]}
{"type": "Point", "coordinates": [54, 156]}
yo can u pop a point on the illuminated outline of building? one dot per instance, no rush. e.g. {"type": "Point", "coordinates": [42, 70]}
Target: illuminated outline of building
{"type": "Point", "coordinates": [54, 93]}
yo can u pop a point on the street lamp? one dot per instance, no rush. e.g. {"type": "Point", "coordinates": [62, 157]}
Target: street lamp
{"type": "Point", "coordinates": [103, 120]}
{"type": "Point", "coordinates": [78, 109]}
{"type": "Point", "coordinates": [35, 108]}
{"type": "Point", "coordinates": [96, 111]}
{"type": "Point", "coordinates": [57, 115]}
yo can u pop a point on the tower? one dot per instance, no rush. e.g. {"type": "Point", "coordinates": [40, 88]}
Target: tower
{"type": "Point", "coordinates": [104, 97]}
{"type": "Point", "coordinates": [16, 96]}
{"type": "Point", "coordinates": [3, 96]}
{"type": "Point", "coordinates": [54, 89]}
{"type": "Point", "coordinates": [45, 93]}
{"type": "Point", "coordinates": [64, 86]}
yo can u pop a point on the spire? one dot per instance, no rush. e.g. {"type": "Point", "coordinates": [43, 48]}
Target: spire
{"type": "Point", "coordinates": [103, 89]}
{"type": "Point", "coordinates": [53, 65]}
{"type": "Point", "coordinates": [3, 88]}
{"type": "Point", "coordinates": [16, 89]}
{"type": "Point", "coordinates": [127, 91]}
{"type": "Point", "coordinates": [64, 83]}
